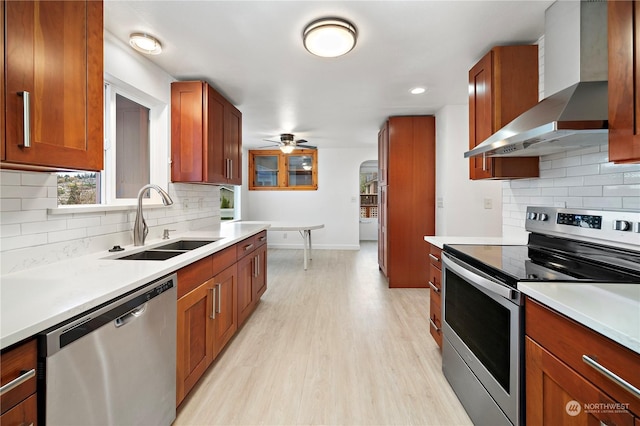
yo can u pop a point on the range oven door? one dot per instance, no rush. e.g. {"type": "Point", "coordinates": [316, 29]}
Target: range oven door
{"type": "Point", "coordinates": [482, 345]}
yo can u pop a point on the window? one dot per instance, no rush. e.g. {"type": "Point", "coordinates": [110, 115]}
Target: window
{"type": "Point", "coordinates": [275, 170]}
{"type": "Point", "coordinates": [131, 118]}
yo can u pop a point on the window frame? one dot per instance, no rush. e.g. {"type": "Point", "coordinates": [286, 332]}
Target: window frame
{"type": "Point", "coordinates": [283, 170]}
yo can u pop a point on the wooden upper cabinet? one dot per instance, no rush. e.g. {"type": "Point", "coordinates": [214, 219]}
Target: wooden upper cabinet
{"type": "Point", "coordinates": [206, 135]}
{"type": "Point", "coordinates": [53, 64]}
{"type": "Point", "coordinates": [624, 79]}
{"type": "Point", "coordinates": [502, 85]}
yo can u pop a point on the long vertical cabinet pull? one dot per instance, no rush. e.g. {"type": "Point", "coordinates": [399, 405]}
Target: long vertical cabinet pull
{"type": "Point", "coordinates": [213, 303]}
{"type": "Point", "coordinates": [26, 119]}
{"type": "Point", "coordinates": [219, 287]}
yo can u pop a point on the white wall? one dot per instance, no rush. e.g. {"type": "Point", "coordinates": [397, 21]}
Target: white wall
{"type": "Point", "coordinates": [32, 235]}
{"type": "Point", "coordinates": [460, 202]}
{"type": "Point", "coordinates": [335, 203]}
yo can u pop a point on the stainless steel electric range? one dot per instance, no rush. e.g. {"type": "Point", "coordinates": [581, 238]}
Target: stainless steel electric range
{"type": "Point", "coordinates": [483, 329]}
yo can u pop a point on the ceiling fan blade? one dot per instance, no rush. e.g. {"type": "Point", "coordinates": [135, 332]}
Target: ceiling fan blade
{"type": "Point", "coordinates": [306, 146]}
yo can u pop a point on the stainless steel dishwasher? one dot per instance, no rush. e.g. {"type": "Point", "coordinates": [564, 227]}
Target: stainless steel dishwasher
{"type": "Point", "coordinates": [115, 365]}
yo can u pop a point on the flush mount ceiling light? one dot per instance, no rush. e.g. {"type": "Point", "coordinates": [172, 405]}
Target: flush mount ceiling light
{"type": "Point", "coordinates": [417, 90]}
{"type": "Point", "coordinates": [287, 149]}
{"type": "Point", "coordinates": [145, 43]}
{"type": "Point", "coordinates": [329, 37]}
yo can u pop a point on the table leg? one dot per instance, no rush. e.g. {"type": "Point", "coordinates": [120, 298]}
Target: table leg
{"type": "Point", "coordinates": [304, 243]}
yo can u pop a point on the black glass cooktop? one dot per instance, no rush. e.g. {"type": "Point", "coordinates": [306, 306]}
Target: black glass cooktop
{"type": "Point", "coordinates": [548, 258]}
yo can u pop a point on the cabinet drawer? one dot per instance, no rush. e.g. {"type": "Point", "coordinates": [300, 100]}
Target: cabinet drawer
{"type": "Point", "coordinates": [18, 362]}
{"type": "Point", "coordinates": [435, 255]}
{"type": "Point", "coordinates": [570, 341]}
{"type": "Point", "coordinates": [223, 259]}
{"type": "Point", "coordinates": [435, 316]}
{"type": "Point", "coordinates": [25, 413]}
{"type": "Point", "coordinates": [193, 275]}
{"type": "Point", "coordinates": [246, 246]}
{"type": "Point", "coordinates": [261, 238]}
{"type": "Point", "coordinates": [435, 279]}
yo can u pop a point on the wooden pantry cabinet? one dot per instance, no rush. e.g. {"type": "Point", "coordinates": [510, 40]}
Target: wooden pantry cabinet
{"type": "Point", "coordinates": [53, 85]}
{"type": "Point", "coordinates": [406, 211]}
{"type": "Point", "coordinates": [206, 135]}
{"type": "Point", "coordinates": [502, 85]}
{"type": "Point", "coordinates": [18, 401]}
{"type": "Point", "coordinates": [562, 388]}
{"type": "Point", "coordinates": [624, 79]}
{"type": "Point", "coordinates": [215, 296]}
{"type": "Point", "coordinates": [435, 293]}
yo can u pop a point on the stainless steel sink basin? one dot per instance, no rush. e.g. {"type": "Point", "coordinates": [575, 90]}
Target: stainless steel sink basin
{"type": "Point", "coordinates": [185, 245]}
{"type": "Point", "coordinates": [152, 255]}
{"type": "Point", "coordinates": [168, 251]}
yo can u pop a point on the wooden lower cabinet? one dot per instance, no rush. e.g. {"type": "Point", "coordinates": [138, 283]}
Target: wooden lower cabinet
{"type": "Point", "coordinates": [215, 295]}
{"type": "Point", "coordinates": [561, 388]}
{"type": "Point", "coordinates": [18, 405]}
{"type": "Point", "coordinates": [435, 294]}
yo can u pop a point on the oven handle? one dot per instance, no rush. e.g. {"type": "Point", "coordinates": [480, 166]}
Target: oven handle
{"type": "Point", "coordinates": [474, 278]}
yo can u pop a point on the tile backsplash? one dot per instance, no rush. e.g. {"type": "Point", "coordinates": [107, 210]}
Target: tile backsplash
{"type": "Point", "coordinates": [31, 235]}
{"type": "Point", "coordinates": [574, 179]}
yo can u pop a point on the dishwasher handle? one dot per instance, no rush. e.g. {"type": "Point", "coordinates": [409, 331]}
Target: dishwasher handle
{"type": "Point", "coordinates": [130, 316]}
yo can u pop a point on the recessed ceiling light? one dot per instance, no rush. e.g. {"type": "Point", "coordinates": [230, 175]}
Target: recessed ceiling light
{"type": "Point", "coordinates": [417, 90]}
{"type": "Point", "coordinates": [329, 37]}
{"type": "Point", "coordinates": [145, 43]}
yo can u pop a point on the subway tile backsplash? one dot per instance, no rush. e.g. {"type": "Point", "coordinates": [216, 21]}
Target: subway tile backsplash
{"type": "Point", "coordinates": [581, 179]}
{"type": "Point", "coordinates": [30, 236]}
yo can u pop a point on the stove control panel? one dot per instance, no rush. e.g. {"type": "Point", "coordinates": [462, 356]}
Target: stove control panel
{"type": "Point", "coordinates": [615, 228]}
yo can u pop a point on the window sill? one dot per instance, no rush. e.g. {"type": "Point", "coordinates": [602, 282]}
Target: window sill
{"type": "Point", "coordinates": [99, 208]}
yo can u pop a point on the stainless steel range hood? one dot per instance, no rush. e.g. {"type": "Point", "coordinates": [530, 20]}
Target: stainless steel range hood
{"type": "Point", "coordinates": [575, 59]}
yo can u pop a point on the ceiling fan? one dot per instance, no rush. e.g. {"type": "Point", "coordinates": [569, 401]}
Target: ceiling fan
{"type": "Point", "coordinates": [288, 143]}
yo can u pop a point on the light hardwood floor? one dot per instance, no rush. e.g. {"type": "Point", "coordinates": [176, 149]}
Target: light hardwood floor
{"type": "Point", "coordinates": [332, 345]}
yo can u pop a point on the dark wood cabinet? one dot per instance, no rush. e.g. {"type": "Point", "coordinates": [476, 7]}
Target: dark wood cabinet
{"type": "Point", "coordinates": [624, 79]}
{"type": "Point", "coordinates": [252, 279]}
{"type": "Point", "coordinates": [18, 405]}
{"type": "Point", "coordinates": [407, 203]}
{"type": "Point", "coordinates": [435, 293]}
{"type": "Point", "coordinates": [53, 85]}
{"type": "Point", "coordinates": [563, 389]}
{"type": "Point", "coordinates": [225, 314]}
{"type": "Point", "coordinates": [502, 85]}
{"type": "Point", "coordinates": [206, 135]}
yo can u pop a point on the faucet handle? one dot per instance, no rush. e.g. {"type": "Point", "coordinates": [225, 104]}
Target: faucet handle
{"type": "Point", "coordinates": [165, 233]}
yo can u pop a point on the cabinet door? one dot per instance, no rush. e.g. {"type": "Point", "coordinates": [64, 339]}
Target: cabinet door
{"type": "Point", "coordinates": [54, 84]}
{"type": "Point", "coordinates": [233, 144]}
{"type": "Point", "coordinates": [187, 121]}
{"type": "Point", "coordinates": [259, 282]}
{"type": "Point", "coordinates": [383, 242]}
{"type": "Point", "coordinates": [480, 113]}
{"type": "Point", "coordinates": [225, 323]}
{"type": "Point", "coordinates": [556, 394]}
{"type": "Point", "coordinates": [624, 79]}
{"type": "Point", "coordinates": [25, 413]}
{"type": "Point", "coordinates": [214, 152]}
{"type": "Point", "coordinates": [246, 300]}
{"type": "Point", "coordinates": [194, 337]}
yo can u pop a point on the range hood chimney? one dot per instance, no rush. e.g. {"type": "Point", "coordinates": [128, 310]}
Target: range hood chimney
{"type": "Point", "coordinates": [575, 72]}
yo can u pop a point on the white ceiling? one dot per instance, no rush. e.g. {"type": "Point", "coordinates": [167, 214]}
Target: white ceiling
{"type": "Point", "coordinates": [251, 51]}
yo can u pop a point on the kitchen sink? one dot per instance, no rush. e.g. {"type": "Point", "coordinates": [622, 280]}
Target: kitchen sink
{"type": "Point", "coordinates": [151, 255]}
{"type": "Point", "coordinates": [185, 245]}
{"type": "Point", "coordinates": [168, 251]}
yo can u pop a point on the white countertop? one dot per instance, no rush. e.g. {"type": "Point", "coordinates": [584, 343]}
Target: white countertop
{"type": "Point", "coordinates": [36, 299]}
{"type": "Point", "coordinates": [440, 241]}
{"type": "Point", "coordinates": [612, 310]}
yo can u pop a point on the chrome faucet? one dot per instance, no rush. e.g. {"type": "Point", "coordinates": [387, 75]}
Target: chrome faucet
{"type": "Point", "coordinates": [140, 228]}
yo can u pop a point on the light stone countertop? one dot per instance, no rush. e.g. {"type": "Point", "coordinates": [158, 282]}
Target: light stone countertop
{"type": "Point", "coordinates": [36, 299]}
{"type": "Point", "coordinates": [440, 241]}
{"type": "Point", "coordinates": [612, 310]}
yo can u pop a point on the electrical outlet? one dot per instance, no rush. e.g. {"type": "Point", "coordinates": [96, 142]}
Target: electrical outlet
{"type": "Point", "coordinates": [200, 203]}
{"type": "Point", "coordinates": [488, 203]}
{"type": "Point", "coordinates": [440, 203]}
{"type": "Point", "coordinates": [185, 204]}
{"type": "Point", "coordinates": [284, 236]}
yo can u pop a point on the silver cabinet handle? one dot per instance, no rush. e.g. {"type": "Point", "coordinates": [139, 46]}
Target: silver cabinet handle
{"type": "Point", "coordinates": [219, 287]}
{"type": "Point", "coordinates": [17, 381]}
{"type": "Point", "coordinates": [213, 303]}
{"type": "Point", "coordinates": [248, 247]}
{"type": "Point", "coordinates": [26, 119]}
{"type": "Point", "coordinates": [436, 289]}
{"type": "Point", "coordinates": [611, 376]}
{"type": "Point", "coordinates": [434, 325]}
{"type": "Point", "coordinates": [434, 257]}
